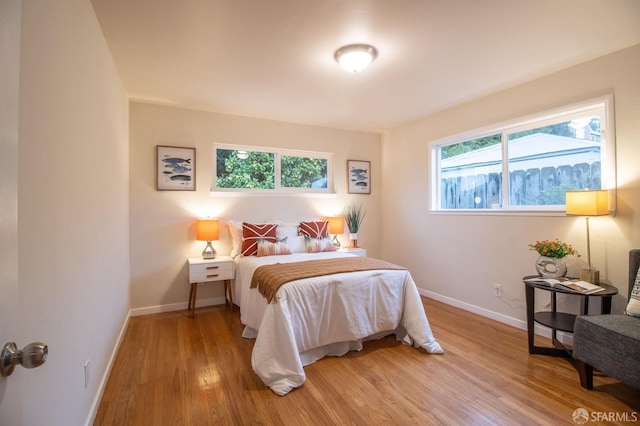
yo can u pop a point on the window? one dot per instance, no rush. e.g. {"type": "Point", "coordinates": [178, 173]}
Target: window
{"type": "Point", "coordinates": [542, 157]}
{"type": "Point", "coordinates": [271, 170]}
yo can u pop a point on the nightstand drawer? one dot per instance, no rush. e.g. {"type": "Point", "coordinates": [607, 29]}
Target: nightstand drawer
{"type": "Point", "coordinates": [213, 271]}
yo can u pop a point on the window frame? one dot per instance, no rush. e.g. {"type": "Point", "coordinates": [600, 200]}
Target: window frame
{"type": "Point", "coordinates": [278, 154]}
{"type": "Point", "coordinates": [553, 116]}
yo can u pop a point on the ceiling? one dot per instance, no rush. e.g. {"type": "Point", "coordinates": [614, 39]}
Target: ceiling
{"type": "Point", "coordinates": [274, 58]}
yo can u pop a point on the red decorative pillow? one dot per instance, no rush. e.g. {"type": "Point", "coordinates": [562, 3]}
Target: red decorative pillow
{"type": "Point", "coordinates": [252, 232]}
{"type": "Point", "coordinates": [318, 229]}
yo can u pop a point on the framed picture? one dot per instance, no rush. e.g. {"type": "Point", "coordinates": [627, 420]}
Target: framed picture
{"type": "Point", "coordinates": [358, 177]}
{"type": "Point", "coordinates": [175, 168]}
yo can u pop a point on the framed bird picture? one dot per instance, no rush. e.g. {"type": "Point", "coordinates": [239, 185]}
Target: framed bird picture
{"type": "Point", "coordinates": [358, 177]}
{"type": "Point", "coordinates": [175, 168]}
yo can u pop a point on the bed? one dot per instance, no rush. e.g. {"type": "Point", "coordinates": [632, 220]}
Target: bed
{"type": "Point", "coordinates": [326, 315]}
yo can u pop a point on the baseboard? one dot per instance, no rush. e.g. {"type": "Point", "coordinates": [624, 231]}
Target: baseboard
{"type": "Point", "coordinates": [182, 306]}
{"type": "Point", "coordinates": [105, 377]}
{"type": "Point", "coordinates": [514, 322]}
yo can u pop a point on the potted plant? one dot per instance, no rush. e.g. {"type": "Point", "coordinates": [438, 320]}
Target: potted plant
{"type": "Point", "coordinates": [354, 215]}
{"type": "Point", "coordinates": [549, 263]}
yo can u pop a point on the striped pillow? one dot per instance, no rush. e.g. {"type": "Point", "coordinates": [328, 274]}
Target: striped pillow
{"type": "Point", "coordinates": [267, 248]}
{"type": "Point", "coordinates": [316, 245]}
{"type": "Point", "coordinates": [318, 229]}
{"type": "Point", "coordinates": [252, 232]}
{"type": "Point", "coordinates": [633, 307]}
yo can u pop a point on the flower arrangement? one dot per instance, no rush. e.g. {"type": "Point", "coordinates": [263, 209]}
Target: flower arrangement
{"type": "Point", "coordinates": [555, 248]}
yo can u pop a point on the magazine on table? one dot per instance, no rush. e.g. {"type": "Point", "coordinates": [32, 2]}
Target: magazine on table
{"type": "Point", "coordinates": [577, 286]}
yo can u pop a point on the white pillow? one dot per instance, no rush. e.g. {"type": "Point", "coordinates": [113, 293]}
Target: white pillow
{"type": "Point", "coordinates": [286, 230]}
{"type": "Point", "coordinates": [296, 244]}
{"type": "Point", "coordinates": [235, 229]}
{"type": "Point", "coordinates": [633, 307]}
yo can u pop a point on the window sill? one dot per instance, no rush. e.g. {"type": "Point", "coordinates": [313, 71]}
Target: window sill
{"type": "Point", "coordinates": [232, 194]}
{"type": "Point", "coordinates": [540, 213]}
{"type": "Point", "coordinates": [498, 212]}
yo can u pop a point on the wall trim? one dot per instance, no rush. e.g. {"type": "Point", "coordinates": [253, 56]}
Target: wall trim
{"type": "Point", "coordinates": [513, 322]}
{"type": "Point", "coordinates": [95, 405]}
{"type": "Point", "coordinates": [177, 306]}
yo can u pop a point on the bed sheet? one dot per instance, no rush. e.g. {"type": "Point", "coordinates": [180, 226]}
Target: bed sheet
{"type": "Point", "coordinates": [328, 315]}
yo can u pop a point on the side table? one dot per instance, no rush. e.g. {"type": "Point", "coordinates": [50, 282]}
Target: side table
{"type": "Point", "coordinates": [559, 321]}
{"type": "Point", "coordinates": [210, 270]}
{"type": "Point", "coordinates": [358, 251]}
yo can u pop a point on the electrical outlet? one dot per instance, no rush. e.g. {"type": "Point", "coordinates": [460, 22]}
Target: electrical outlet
{"type": "Point", "coordinates": [86, 374]}
{"type": "Point", "coordinates": [497, 290]}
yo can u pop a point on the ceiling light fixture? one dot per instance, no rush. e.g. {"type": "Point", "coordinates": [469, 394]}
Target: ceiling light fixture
{"type": "Point", "coordinates": [355, 57]}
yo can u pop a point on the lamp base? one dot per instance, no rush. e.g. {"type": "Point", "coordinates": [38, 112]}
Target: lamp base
{"type": "Point", "coordinates": [209, 252]}
{"type": "Point", "coordinates": [336, 242]}
{"type": "Point", "coordinates": [590, 275]}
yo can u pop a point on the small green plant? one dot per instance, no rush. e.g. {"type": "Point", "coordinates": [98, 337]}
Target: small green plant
{"type": "Point", "coordinates": [555, 248]}
{"type": "Point", "coordinates": [354, 215]}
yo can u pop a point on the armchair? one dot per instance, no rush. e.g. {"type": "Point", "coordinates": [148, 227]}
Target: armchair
{"type": "Point", "coordinates": [609, 343]}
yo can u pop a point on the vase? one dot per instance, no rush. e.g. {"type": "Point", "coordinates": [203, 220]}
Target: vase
{"type": "Point", "coordinates": [551, 267]}
{"type": "Point", "coordinates": [353, 240]}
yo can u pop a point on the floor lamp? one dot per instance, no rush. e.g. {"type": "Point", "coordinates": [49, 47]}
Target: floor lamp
{"type": "Point", "coordinates": [588, 203]}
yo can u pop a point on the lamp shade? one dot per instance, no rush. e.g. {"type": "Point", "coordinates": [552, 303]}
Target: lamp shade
{"type": "Point", "coordinates": [336, 224]}
{"type": "Point", "coordinates": [588, 202]}
{"type": "Point", "coordinates": [207, 229]}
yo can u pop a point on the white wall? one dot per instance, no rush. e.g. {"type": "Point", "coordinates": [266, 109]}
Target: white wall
{"type": "Point", "coordinates": [162, 222]}
{"type": "Point", "coordinates": [73, 239]}
{"type": "Point", "coordinates": [462, 256]}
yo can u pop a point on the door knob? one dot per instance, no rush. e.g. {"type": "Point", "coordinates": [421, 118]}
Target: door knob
{"type": "Point", "coordinates": [31, 356]}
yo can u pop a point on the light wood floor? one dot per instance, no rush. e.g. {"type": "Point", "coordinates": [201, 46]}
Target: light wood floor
{"type": "Point", "coordinates": [174, 370]}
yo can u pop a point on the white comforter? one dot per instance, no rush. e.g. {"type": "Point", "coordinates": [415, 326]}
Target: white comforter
{"type": "Point", "coordinates": [329, 315]}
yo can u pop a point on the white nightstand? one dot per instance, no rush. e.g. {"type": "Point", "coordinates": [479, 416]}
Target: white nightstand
{"type": "Point", "coordinates": [357, 251]}
{"type": "Point", "coordinates": [210, 270]}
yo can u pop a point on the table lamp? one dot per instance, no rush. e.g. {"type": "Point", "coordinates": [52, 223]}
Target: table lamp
{"type": "Point", "coordinates": [588, 203]}
{"type": "Point", "coordinates": [208, 230]}
{"type": "Point", "coordinates": [336, 226]}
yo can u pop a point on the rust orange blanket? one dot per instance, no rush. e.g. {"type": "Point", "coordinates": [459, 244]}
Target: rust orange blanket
{"type": "Point", "coordinates": [269, 278]}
